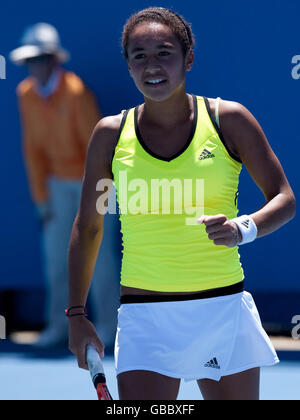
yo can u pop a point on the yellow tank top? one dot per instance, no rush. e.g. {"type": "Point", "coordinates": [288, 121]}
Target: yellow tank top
{"type": "Point", "coordinates": [160, 200]}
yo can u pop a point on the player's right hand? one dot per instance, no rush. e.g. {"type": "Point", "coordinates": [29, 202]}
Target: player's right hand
{"type": "Point", "coordinates": [82, 333]}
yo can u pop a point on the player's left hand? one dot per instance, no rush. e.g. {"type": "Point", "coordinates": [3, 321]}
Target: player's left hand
{"type": "Point", "coordinates": [221, 230]}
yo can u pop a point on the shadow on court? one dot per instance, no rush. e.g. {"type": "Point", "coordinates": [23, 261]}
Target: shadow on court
{"type": "Point", "coordinates": [30, 352]}
{"type": "Point", "coordinates": [9, 347]}
{"type": "Point", "coordinates": [289, 356]}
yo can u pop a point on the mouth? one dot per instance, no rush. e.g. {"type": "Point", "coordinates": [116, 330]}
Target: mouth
{"type": "Point", "coordinates": [155, 82]}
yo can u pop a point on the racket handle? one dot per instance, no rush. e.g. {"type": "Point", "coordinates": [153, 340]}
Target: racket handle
{"type": "Point", "coordinates": [95, 366]}
{"type": "Point", "coordinates": [103, 392]}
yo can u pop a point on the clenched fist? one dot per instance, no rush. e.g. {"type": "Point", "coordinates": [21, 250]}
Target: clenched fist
{"type": "Point", "coordinates": [221, 230]}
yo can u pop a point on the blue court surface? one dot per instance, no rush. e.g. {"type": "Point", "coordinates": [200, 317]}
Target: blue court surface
{"type": "Point", "coordinates": [32, 376]}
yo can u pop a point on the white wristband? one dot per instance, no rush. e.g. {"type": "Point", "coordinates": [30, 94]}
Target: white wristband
{"type": "Point", "coordinates": [247, 228]}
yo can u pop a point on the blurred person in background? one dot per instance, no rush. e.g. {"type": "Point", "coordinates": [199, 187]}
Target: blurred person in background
{"type": "Point", "coordinates": [58, 114]}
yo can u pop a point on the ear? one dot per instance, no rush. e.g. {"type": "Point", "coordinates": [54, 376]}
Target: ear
{"type": "Point", "coordinates": [129, 69]}
{"type": "Point", "coordinates": [189, 60]}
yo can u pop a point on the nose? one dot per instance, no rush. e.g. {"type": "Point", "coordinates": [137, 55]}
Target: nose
{"type": "Point", "coordinates": [152, 63]}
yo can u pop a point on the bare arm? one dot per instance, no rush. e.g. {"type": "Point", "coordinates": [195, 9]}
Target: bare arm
{"type": "Point", "coordinates": [253, 148]}
{"type": "Point", "coordinates": [246, 139]}
{"type": "Point", "coordinates": [87, 233]}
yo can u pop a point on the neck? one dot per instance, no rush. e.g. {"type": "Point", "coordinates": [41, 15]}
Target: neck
{"type": "Point", "coordinates": [47, 89]}
{"type": "Point", "coordinates": [169, 112]}
{"type": "Point", "coordinates": [46, 73]}
{"type": "Point", "coordinates": [42, 81]}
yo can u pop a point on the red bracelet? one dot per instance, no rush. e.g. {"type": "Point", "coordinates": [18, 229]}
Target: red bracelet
{"type": "Point", "coordinates": [67, 311]}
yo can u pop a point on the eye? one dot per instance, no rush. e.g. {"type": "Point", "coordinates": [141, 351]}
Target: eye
{"type": "Point", "coordinates": [164, 53]}
{"type": "Point", "coordinates": [139, 56]}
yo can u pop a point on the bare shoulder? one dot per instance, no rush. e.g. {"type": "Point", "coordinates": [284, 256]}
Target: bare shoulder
{"type": "Point", "coordinates": [108, 128]}
{"type": "Point", "coordinates": [105, 137]}
{"type": "Point", "coordinates": [236, 123]}
{"type": "Point", "coordinates": [236, 119]}
{"type": "Point", "coordinates": [229, 109]}
{"type": "Point", "coordinates": [232, 109]}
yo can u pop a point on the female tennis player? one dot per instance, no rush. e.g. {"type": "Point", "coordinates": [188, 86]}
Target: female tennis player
{"type": "Point", "coordinates": [184, 312]}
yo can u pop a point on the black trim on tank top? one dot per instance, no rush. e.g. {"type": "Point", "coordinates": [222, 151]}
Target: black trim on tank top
{"type": "Point", "coordinates": [188, 142]}
{"type": "Point", "coordinates": [125, 115]}
{"type": "Point", "coordinates": [205, 294]}
{"type": "Point", "coordinates": [235, 157]}
{"type": "Point", "coordinates": [236, 197]}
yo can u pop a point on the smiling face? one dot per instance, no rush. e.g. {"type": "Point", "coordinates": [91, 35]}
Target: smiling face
{"type": "Point", "coordinates": [156, 61]}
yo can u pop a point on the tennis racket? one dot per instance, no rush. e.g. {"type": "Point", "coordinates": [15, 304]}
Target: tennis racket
{"type": "Point", "coordinates": [97, 374]}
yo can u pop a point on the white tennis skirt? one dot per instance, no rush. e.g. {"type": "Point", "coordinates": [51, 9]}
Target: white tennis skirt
{"type": "Point", "coordinates": [194, 339]}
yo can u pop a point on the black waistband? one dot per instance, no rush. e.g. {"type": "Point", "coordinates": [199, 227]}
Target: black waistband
{"type": "Point", "coordinates": [221, 291]}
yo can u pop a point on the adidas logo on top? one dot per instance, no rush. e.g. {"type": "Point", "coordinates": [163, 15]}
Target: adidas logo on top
{"type": "Point", "coordinates": [213, 364]}
{"type": "Point", "coordinates": [246, 223]}
{"type": "Point", "coordinates": [206, 154]}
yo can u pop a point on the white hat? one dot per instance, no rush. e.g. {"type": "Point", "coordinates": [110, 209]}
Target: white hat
{"type": "Point", "coordinates": [39, 39]}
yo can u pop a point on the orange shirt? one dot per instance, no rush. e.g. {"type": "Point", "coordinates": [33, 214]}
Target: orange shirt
{"type": "Point", "coordinates": [56, 131]}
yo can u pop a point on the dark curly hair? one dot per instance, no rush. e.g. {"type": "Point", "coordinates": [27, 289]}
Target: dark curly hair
{"type": "Point", "coordinates": [180, 27]}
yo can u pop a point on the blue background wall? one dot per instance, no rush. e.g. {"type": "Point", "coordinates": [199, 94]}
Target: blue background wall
{"type": "Point", "coordinates": [244, 52]}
